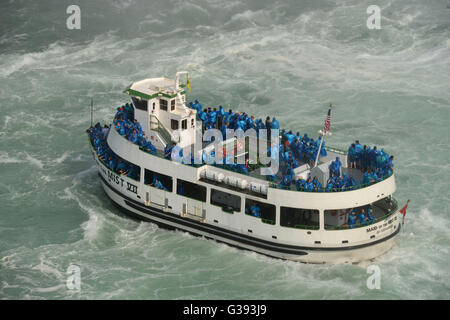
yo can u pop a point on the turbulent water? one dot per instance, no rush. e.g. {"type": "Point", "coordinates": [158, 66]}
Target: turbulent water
{"type": "Point", "coordinates": [390, 88]}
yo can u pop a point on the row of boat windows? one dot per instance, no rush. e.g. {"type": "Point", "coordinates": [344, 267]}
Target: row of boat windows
{"type": "Point", "coordinates": [163, 104]}
{"type": "Point", "coordinates": [231, 203]}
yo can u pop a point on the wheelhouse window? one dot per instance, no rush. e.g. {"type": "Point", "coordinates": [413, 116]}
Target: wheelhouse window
{"type": "Point", "coordinates": [163, 104]}
{"type": "Point", "coordinates": [158, 180]}
{"type": "Point", "coordinates": [172, 104]}
{"type": "Point", "coordinates": [184, 124]}
{"type": "Point", "coordinates": [174, 124]}
{"type": "Point", "coordinates": [140, 103]}
{"type": "Point", "coordinates": [191, 190]}
{"type": "Point", "coordinates": [299, 218]}
{"type": "Point", "coordinates": [265, 211]}
{"type": "Point", "coordinates": [228, 202]}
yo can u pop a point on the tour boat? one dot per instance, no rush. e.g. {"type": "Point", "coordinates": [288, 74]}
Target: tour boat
{"type": "Point", "coordinates": [231, 203]}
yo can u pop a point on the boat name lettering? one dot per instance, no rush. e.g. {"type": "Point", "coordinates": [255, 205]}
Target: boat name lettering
{"type": "Point", "coordinates": [131, 187]}
{"type": "Point", "coordinates": [115, 178]}
{"type": "Point", "coordinates": [372, 229]}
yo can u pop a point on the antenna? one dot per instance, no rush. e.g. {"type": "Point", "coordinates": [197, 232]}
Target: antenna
{"type": "Point", "coordinates": [92, 110]}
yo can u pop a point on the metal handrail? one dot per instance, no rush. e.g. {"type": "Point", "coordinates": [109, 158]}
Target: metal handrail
{"type": "Point", "coordinates": [161, 129]}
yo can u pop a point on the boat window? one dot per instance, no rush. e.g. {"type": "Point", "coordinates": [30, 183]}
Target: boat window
{"type": "Point", "coordinates": [228, 202]}
{"type": "Point", "coordinates": [265, 211]}
{"type": "Point", "coordinates": [364, 215]}
{"type": "Point", "coordinates": [158, 180]}
{"type": "Point", "coordinates": [184, 124]}
{"type": "Point", "coordinates": [191, 190]}
{"type": "Point", "coordinates": [140, 104]}
{"type": "Point", "coordinates": [192, 122]}
{"type": "Point", "coordinates": [163, 104]}
{"type": "Point", "coordinates": [174, 124]}
{"type": "Point", "coordinates": [172, 104]}
{"type": "Point", "coordinates": [299, 218]}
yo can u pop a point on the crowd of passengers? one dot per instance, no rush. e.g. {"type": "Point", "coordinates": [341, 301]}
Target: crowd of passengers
{"type": "Point", "coordinates": [293, 149]}
{"type": "Point", "coordinates": [361, 217]}
{"type": "Point", "coordinates": [375, 164]}
{"type": "Point", "coordinates": [98, 137]}
{"type": "Point", "coordinates": [127, 126]}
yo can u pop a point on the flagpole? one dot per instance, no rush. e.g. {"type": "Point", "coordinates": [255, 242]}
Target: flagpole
{"type": "Point", "coordinates": [92, 110]}
{"type": "Point", "coordinates": [318, 152]}
{"type": "Point", "coordinates": [320, 146]}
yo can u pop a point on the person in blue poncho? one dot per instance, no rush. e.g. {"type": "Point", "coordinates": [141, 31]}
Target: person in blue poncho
{"type": "Point", "coordinates": [373, 154]}
{"type": "Point", "coordinates": [300, 184]}
{"type": "Point", "coordinates": [305, 138]}
{"type": "Point", "coordinates": [362, 217]}
{"type": "Point", "coordinates": [122, 167]}
{"type": "Point", "coordinates": [112, 163]}
{"type": "Point", "coordinates": [337, 167]}
{"type": "Point", "coordinates": [365, 158]}
{"type": "Point", "coordinates": [352, 219]}
{"type": "Point", "coordinates": [316, 184]}
{"type": "Point", "coordinates": [344, 180]}
{"type": "Point", "coordinates": [150, 148]}
{"type": "Point", "coordinates": [133, 172]}
{"type": "Point", "coordinates": [275, 124]}
{"type": "Point", "coordinates": [373, 177]}
{"type": "Point", "coordinates": [255, 210]}
{"type": "Point", "coordinates": [352, 182]}
{"type": "Point", "coordinates": [286, 181]}
{"type": "Point", "coordinates": [359, 150]}
{"type": "Point", "coordinates": [309, 186]}
{"type": "Point", "coordinates": [157, 184]}
{"type": "Point", "coordinates": [366, 178]}
{"type": "Point", "coordinates": [329, 186]}
{"type": "Point", "coordinates": [168, 151]}
{"type": "Point", "coordinates": [370, 215]}
{"type": "Point", "coordinates": [180, 188]}
{"type": "Point", "coordinates": [352, 156]}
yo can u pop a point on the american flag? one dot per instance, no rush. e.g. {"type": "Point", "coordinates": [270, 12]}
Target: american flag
{"type": "Point", "coordinates": [327, 121]}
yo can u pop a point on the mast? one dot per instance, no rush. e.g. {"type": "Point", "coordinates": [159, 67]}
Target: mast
{"type": "Point", "coordinates": [325, 131]}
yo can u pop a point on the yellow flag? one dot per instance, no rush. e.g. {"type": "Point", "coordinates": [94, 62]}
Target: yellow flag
{"type": "Point", "coordinates": [188, 83]}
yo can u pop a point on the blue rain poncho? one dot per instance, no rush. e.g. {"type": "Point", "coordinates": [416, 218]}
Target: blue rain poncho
{"type": "Point", "coordinates": [352, 219]}
{"type": "Point", "coordinates": [369, 214]}
{"type": "Point", "coordinates": [275, 124]}
{"type": "Point", "coordinates": [255, 211]}
{"type": "Point", "coordinates": [362, 218]}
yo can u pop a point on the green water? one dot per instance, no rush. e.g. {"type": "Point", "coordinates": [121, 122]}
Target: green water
{"type": "Point", "coordinates": [390, 88]}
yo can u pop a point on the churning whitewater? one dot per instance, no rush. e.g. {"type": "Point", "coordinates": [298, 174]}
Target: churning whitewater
{"type": "Point", "coordinates": [389, 87]}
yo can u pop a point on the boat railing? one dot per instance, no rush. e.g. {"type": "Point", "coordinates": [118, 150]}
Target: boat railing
{"type": "Point", "coordinates": [276, 185]}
